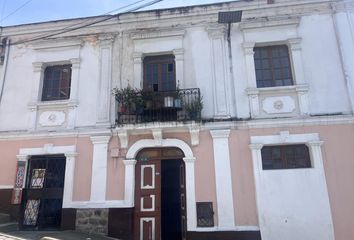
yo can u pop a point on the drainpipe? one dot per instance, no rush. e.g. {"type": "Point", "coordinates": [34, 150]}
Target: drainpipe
{"type": "Point", "coordinates": [232, 78]}
{"type": "Point", "coordinates": [3, 76]}
{"type": "Point", "coordinates": [229, 18]}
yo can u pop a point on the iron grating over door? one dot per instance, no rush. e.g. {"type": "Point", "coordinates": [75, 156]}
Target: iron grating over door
{"type": "Point", "coordinates": [43, 193]}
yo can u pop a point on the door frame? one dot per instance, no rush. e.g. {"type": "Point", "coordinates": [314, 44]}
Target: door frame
{"type": "Point", "coordinates": [189, 160]}
{"type": "Point", "coordinates": [157, 156]}
{"type": "Point", "coordinates": [43, 193]}
{"type": "Point", "coordinates": [49, 149]}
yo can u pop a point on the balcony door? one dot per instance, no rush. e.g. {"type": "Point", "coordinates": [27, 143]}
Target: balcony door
{"type": "Point", "coordinates": [159, 73]}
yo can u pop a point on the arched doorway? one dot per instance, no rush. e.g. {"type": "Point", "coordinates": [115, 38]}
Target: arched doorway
{"type": "Point", "coordinates": [160, 195]}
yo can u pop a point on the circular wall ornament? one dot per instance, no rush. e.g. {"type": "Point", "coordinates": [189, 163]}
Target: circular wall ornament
{"type": "Point", "coordinates": [278, 105]}
{"type": "Point", "coordinates": [52, 117]}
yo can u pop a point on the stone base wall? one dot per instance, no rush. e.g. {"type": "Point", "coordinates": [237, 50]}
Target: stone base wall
{"type": "Point", "coordinates": [92, 221]}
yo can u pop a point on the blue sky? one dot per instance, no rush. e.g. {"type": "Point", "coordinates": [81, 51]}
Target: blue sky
{"type": "Point", "coordinates": [47, 10]}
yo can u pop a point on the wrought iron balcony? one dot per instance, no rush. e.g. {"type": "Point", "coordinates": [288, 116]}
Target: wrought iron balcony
{"type": "Point", "coordinates": [136, 106]}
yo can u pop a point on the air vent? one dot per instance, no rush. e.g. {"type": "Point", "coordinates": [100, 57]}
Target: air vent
{"type": "Point", "coordinates": [230, 17]}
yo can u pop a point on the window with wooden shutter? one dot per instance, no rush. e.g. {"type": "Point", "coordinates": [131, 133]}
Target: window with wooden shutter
{"type": "Point", "coordinates": [56, 83]}
{"type": "Point", "coordinates": [159, 73]}
{"type": "Point", "coordinates": [273, 68]}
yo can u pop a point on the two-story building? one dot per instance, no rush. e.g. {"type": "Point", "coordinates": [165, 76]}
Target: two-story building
{"type": "Point", "coordinates": [221, 121]}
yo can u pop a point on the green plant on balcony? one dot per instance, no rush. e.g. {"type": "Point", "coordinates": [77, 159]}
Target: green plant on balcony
{"type": "Point", "coordinates": [129, 99]}
{"type": "Point", "coordinates": [194, 108]}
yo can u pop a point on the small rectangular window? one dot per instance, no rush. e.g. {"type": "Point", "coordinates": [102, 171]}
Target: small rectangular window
{"type": "Point", "coordinates": [56, 83]}
{"type": "Point", "coordinates": [273, 68]}
{"type": "Point", "coordinates": [285, 157]}
{"type": "Point", "coordinates": [205, 214]}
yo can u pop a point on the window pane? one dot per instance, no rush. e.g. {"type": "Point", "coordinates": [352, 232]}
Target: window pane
{"type": "Point", "coordinates": [56, 83]}
{"type": "Point", "coordinates": [275, 63]}
{"type": "Point", "coordinates": [161, 73]}
{"type": "Point", "coordinates": [285, 157]}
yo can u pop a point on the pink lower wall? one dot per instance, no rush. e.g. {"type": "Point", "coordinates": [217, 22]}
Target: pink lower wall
{"type": "Point", "coordinates": [10, 148]}
{"type": "Point", "coordinates": [337, 150]}
{"type": "Point", "coordinates": [338, 160]}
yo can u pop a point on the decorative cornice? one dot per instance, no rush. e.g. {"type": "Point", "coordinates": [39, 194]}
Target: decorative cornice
{"type": "Point", "coordinates": [315, 143]}
{"type": "Point", "coordinates": [147, 34]}
{"type": "Point", "coordinates": [271, 21]}
{"type": "Point", "coordinates": [295, 43]}
{"type": "Point", "coordinates": [123, 138]}
{"type": "Point", "coordinates": [216, 31]}
{"type": "Point", "coordinates": [189, 159]}
{"type": "Point", "coordinates": [22, 157]}
{"type": "Point", "coordinates": [302, 88]}
{"type": "Point", "coordinates": [71, 154]}
{"type": "Point", "coordinates": [38, 66]}
{"type": "Point", "coordinates": [138, 57]}
{"type": "Point", "coordinates": [57, 43]}
{"type": "Point", "coordinates": [255, 146]}
{"type": "Point", "coordinates": [194, 132]}
{"type": "Point", "coordinates": [157, 133]}
{"type": "Point", "coordinates": [106, 39]}
{"type": "Point", "coordinates": [248, 48]}
{"type": "Point", "coordinates": [75, 62]}
{"type": "Point", "coordinates": [100, 139]}
{"type": "Point", "coordinates": [224, 133]}
{"type": "Point", "coordinates": [128, 162]}
{"type": "Point", "coordinates": [343, 6]}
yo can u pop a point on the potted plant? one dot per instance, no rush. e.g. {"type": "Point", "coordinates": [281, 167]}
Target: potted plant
{"type": "Point", "coordinates": [126, 97]}
{"type": "Point", "coordinates": [194, 108]}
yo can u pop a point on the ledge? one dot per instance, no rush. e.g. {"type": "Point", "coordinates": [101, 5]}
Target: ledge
{"type": "Point", "coordinates": [283, 89]}
{"type": "Point", "coordinates": [270, 21]}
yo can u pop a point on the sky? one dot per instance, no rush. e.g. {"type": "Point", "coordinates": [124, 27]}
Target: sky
{"type": "Point", "coordinates": [15, 12]}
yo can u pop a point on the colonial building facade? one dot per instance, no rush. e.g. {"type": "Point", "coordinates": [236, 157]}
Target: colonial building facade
{"type": "Point", "coordinates": [222, 121]}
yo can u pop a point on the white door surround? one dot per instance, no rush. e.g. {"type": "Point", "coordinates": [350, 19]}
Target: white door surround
{"type": "Point", "coordinates": [189, 160]}
{"type": "Point", "coordinates": [49, 149]}
{"type": "Point", "coordinates": [289, 200]}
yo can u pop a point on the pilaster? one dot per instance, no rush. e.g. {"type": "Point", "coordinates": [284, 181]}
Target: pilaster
{"type": "Point", "coordinates": [104, 84]}
{"type": "Point", "coordinates": [69, 178]}
{"type": "Point", "coordinates": [129, 181]}
{"type": "Point", "coordinates": [190, 192]}
{"type": "Point", "coordinates": [99, 168]}
{"type": "Point", "coordinates": [220, 76]}
{"type": "Point", "coordinates": [224, 196]}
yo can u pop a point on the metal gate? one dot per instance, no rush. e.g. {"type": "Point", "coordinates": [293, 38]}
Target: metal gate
{"type": "Point", "coordinates": [43, 193]}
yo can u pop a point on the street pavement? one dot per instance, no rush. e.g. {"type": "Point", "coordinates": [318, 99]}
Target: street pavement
{"type": "Point", "coordinates": [55, 235]}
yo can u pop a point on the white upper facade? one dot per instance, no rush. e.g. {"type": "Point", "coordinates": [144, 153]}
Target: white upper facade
{"type": "Point", "coordinates": [318, 36]}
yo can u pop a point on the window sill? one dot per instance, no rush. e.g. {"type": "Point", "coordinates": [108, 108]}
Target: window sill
{"type": "Point", "coordinates": [67, 103]}
{"type": "Point", "coordinates": [281, 89]}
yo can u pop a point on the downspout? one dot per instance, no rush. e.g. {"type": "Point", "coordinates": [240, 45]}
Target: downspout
{"type": "Point", "coordinates": [3, 76]}
{"type": "Point", "coordinates": [229, 18]}
{"type": "Point", "coordinates": [232, 78]}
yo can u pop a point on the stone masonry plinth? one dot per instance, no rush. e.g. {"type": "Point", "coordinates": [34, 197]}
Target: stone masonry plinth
{"type": "Point", "coordinates": [92, 221]}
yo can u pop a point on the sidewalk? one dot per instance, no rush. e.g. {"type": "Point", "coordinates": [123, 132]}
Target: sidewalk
{"type": "Point", "coordinates": [54, 235]}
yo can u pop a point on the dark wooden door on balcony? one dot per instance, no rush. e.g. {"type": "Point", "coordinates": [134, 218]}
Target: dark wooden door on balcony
{"type": "Point", "coordinates": [159, 73]}
{"type": "Point", "coordinates": [160, 195]}
{"type": "Point", "coordinates": [43, 195]}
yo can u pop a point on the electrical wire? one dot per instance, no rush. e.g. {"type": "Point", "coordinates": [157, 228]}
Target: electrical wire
{"type": "Point", "coordinates": [71, 28]}
{"type": "Point", "coordinates": [3, 8]}
{"type": "Point", "coordinates": [16, 10]}
{"type": "Point", "coordinates": [104, 14]}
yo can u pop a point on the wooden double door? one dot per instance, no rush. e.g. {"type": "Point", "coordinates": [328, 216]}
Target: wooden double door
{"type": "Point", "coordinates": [160, 195]}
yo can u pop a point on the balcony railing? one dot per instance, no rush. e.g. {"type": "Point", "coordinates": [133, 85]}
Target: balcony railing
{"type": "Point", "coordinates": [143, 107]}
